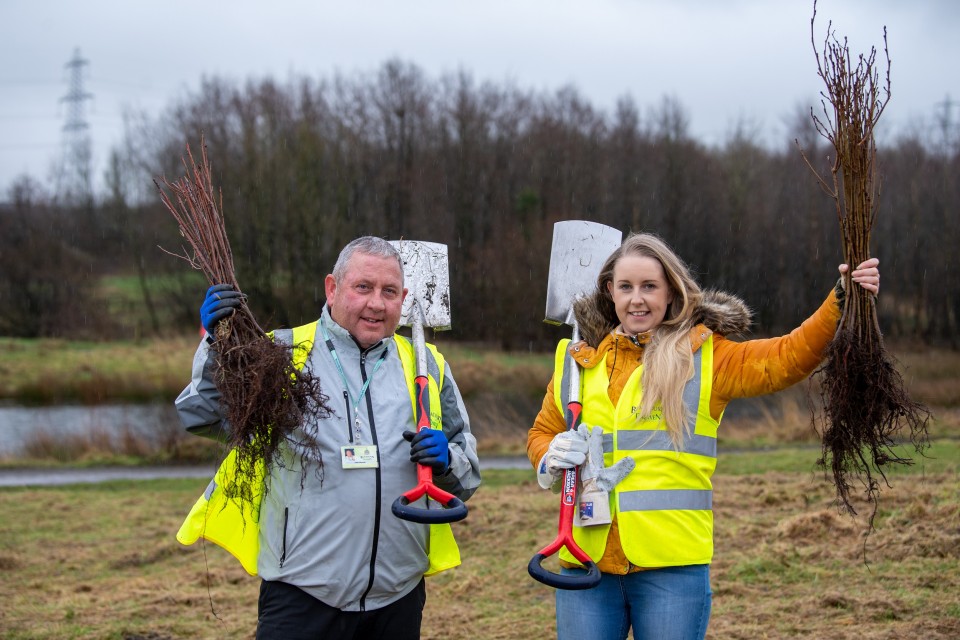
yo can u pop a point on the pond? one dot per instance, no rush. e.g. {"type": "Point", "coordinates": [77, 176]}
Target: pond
{"type": "Point", "coordinates": [20, 425]}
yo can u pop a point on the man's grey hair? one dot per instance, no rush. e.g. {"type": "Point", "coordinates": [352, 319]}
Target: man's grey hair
{"type": "Point", "coordinates": [368, 245]}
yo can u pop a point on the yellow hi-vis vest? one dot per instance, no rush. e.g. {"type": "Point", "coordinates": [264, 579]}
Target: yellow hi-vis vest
{"type": "Point", "coordinates": [664, 507]}
{"type": "Point", "coordinates": [232, 524]}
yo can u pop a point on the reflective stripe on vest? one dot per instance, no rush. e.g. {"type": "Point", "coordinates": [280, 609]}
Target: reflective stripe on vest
{"type": "Point", "coordinates": [664, 507]}
{"type": "Point", "coordinates": [226, 522]}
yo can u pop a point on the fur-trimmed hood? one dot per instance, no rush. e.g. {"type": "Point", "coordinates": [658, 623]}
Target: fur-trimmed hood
{"type": "Point", "coordinates": [719, 311]}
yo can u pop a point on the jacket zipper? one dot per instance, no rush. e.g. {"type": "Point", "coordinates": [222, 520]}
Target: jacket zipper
{"type": "Point", "coordinates": [283, 549]}
{"type": "Point", "coordinates": [376, 513]}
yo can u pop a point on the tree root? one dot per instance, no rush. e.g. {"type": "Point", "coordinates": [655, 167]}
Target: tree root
{"type": "Point", "coordinates": [266, 403]}
{"type": "Point", "coordinates": [865, 409]}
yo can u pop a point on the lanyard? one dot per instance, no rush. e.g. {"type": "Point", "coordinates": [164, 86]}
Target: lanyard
{"type": "Point", "coordinates": [346, 387]}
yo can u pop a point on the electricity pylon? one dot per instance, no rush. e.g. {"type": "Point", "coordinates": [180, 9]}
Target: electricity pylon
{"type": "Point", "coordinates": [74, 184]}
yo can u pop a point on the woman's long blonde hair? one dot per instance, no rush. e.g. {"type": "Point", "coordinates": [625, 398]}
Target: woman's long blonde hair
{"type": "Point", "coordinates": [668, 357]}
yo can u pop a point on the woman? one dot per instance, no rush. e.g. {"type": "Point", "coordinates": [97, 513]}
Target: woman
{"type": "Point", "coordinates": [657, 372]}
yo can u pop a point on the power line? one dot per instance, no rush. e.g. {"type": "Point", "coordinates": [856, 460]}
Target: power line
{"type": "Point", "coordinates": [28, 145]}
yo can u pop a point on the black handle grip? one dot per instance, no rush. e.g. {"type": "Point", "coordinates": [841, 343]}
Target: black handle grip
{"type": "Point", "coordinates": [586, 581]}
{"type": "Point", "coordinates": [454, 511]}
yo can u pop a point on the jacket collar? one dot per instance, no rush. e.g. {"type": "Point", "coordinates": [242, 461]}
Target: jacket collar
{"type": "Point", "coordinates": [343, 340]}
{"type": "Point", "coordinates": [589, 357]}
{"type": "Point", "coordinates": [717, 312]}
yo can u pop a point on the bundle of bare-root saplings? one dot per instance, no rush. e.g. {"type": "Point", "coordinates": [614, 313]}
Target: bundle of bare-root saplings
{"type": "Point", "coordinates": [264, 397]}
{"type": "Point", "coordinates": [865, 405]}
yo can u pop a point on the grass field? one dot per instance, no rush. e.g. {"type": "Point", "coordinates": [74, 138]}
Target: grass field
{"type": "Point", "coordinates": [100, 561]}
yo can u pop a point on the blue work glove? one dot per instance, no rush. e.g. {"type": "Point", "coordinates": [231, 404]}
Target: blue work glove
{"type": "Point", "coordinates": [221, 301]}
{"type": "Point", "coordinates": [429, 447]}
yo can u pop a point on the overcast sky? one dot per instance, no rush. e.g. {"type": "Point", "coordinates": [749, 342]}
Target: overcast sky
{"type": "Point", "coordinates": [724, 60]}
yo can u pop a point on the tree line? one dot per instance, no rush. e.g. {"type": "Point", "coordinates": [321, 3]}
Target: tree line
{"type": "Point", "coordinates": [306, 165]}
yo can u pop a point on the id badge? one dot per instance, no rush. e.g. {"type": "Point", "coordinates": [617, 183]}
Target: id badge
{"type": "Point", "coordinates": [359, 456]}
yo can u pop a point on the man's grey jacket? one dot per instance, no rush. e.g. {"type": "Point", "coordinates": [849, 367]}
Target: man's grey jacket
{"type": "Point", "coordinates": [330, 531]}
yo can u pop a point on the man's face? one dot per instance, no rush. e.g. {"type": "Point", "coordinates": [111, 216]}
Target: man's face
{"type": "Point", "coordinates": [368, 300]}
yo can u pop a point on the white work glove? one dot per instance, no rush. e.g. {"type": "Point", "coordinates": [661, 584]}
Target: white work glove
{"type": "Point", "coordinates": [597, 481]}
{"type": "Point", "coordinates": [567, 450]}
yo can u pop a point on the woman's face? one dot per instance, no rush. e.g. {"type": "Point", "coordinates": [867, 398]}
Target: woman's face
{"type": "Point", "coordinates": [640, 293]}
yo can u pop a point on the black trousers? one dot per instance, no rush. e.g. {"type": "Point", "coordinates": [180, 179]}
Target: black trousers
{"type": "Point", "coordinates": [288, 613]}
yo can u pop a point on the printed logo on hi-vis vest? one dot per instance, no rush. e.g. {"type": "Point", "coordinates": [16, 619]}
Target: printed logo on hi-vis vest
{"type": "Point", "coordinates": [655, 416]}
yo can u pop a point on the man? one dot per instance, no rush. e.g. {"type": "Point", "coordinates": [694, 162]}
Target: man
{"type": "Point", "coordinates": [335, 562]}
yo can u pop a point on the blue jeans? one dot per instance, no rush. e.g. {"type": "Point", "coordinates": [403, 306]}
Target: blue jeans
{"type": "Point", "coordinates": [672, 603]}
